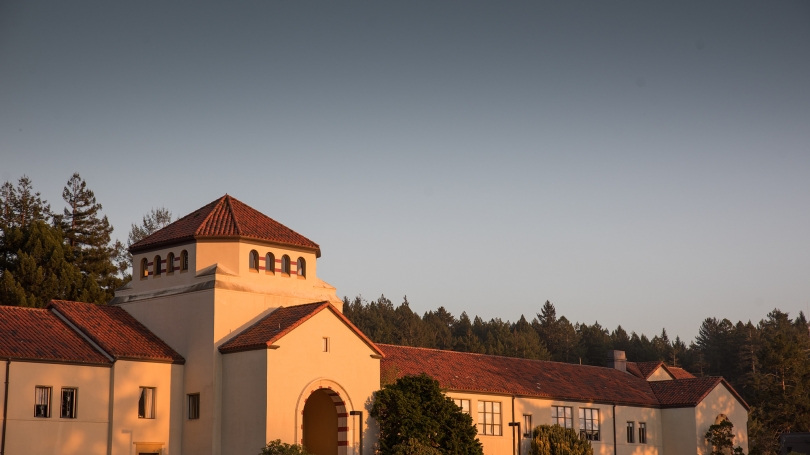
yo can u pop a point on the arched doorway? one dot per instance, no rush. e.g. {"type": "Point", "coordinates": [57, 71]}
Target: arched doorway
{"type": "Point", "coordinates": [323, 412]}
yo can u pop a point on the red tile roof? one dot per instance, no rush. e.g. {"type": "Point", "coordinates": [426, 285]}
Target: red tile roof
{"type": "Point", "coordinates": [680, 373]}
{"type": "Point", "coordinates": [225, 218]}
{"type": "Point", "coordinates": [464, 371]}
{"type": "Point", "coordinates": [689, 392]}
{"type": "Point", "coordinates": [38, 334]}
{"type": "Point", "coordinates": [118, 333]}
{"type": "Point", "coordinates": [282, 321]}
{"type": "Point", "coordinates": [643, 369]}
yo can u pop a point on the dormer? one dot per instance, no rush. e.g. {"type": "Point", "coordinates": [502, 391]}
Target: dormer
{"type": "Point", "coordinates": [231, 242]}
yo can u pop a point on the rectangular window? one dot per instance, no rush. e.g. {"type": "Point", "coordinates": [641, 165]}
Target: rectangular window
{"type": "Point", "coordinates": [146, 403]}
{"type": "Point", "coordinates": [631, 432]}
{"type": "Point", "coordinates": [193, 406]}
{"type": "Point", "coordinates": [489, 418]}
{"type": "Point", "coordinates": [69, 396]}
{"type": "Point", "coordinates": [326, 344]}
{"type": "Point", "coordinates": [42, 402]}
{"type": "Point", "coordinates": [527, 426]}
{"type": "Point", "coordinates": [642, 433]}
{"type": "Point", "coordinates": [589, 424]}
{"type": "Point", "coordinates": [463, 404]}
{"type": "Point", "coordinates": [562, 416]}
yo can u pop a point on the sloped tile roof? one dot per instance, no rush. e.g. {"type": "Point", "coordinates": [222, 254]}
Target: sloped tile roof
{"type": "Point", "coordinates": [226, 217]}
{"type": "Point", "coordinates": [689, 392]}
{"type": "Point", "coordinates": [118, 333]}
{"type": "Point", "coordinates": [38, 334]}
{"type": "Point", "coordinates": [644, 369]}
{"type": "Point", "coordinates": [464, 371]}
{"type": "Point", "coordinates": [680, 373]}
{"type": "Point", "coordinates": [282, 321]}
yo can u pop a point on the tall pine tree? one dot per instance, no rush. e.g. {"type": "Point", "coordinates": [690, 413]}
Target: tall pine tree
{"type": "Point", "coordinates": [88, 235]}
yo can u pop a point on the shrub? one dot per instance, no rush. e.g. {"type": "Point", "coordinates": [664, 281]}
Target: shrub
{"type": "Point", "coordinates": [279, 448]}
{"type": "Point", "coordinates": [556, 440]}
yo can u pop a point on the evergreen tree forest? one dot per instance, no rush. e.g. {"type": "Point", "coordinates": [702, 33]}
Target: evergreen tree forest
{"type": "Point", "coordinates": [767, 362]}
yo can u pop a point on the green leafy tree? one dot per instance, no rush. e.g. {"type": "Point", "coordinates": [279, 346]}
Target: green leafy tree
{"type": "Point", "coordinates": [88, 234]}
{"type": "Point", "coordinates": [414, 409]}
{"type": "Point", "coordinates": [721, 438]}
{"type": "Point", "coordinates": [415, 447]}
{"type": "Point", "coordinates": [153, 221]}
{"type": "Point", "coordinates": [281, 448]}
{"type": "Point", "coordinates": [556, 440]}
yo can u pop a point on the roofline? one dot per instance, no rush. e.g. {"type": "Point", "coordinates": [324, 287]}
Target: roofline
{"type": "Point", "coordinates": [269, 343]}
{"type": "Point", "coordinates": [97, 344]}
{"type": "Point", "coordinates": [231, 238]}
{"type": "Point", "coordinates": [60, 362]}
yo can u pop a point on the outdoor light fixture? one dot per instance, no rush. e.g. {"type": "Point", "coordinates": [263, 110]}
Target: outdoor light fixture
{"type": "Point", "coordinates": [517, 424]}
{"type": "Point", "coordinates": [359, 413]}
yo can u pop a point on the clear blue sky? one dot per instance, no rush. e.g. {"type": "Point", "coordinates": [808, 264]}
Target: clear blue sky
{"type": "Point", "coordinates": [643, 163]}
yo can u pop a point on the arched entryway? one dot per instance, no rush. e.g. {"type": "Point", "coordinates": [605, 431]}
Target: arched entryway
{"type": "Point", "coordinates": [324, 426]}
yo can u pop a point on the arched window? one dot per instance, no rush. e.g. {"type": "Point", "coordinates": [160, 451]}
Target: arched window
{"type": "Point", "coordinates": [144, 268]}
{"type": "Point", "coordinates": [170, 263]}
{"type": "Point", "coordinates": [184, 261]}
{"type": "Point", "coordinates": [253, 263]}
{"type": "Point", "coordinates": [285, 264]}
{"type": "Point", "coordinates": [270, 263]}
{"type": "Point", "coordinates": [157, 266]}
{"type": "Point", "coordinates": [301, 265]}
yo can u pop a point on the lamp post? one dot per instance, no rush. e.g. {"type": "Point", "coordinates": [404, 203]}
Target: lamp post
{"type": "Point", "coordinates": [359, 413]}
{"type": "Point", "coordinates": [519, 436]}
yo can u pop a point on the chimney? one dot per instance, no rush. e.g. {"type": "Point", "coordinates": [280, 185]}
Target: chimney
{"type": "Point", "coordinates": [617, 360]}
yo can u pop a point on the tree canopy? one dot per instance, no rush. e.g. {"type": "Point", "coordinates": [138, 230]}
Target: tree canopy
{"type": "Point", "coordinates": [416, 417]}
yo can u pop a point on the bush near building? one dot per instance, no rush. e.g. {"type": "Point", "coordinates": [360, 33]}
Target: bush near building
{"type": "Point", "coordinates": [556, 440]}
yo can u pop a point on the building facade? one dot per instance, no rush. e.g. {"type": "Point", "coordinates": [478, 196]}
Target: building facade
{"type": "Point", "coordinates": [226, 339]}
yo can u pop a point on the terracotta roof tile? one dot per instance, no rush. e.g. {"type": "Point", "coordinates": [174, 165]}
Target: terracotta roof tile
{"type": "Point", "coordinates": [633, 369]}
{"type": "Point", "coordinates": [680, 373]}
{"type": "Point", "coordinates": [116, 332]}
{"type": "Point", "coordinates": [38, 334]}
{"type": "Point", "coordinates": [648, 368]}
{"type": "Point", "coordinates": [225, 217]}
{"type": "Point", "coordinates": [493, 374]}
{"type": "Point", "coordinates": [688, 392]}
{"type": "Point", "coordinates": [282, 321]}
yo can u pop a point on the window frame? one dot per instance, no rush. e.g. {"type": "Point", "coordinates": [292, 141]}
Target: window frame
{"type": "Point", "coordinates": [631, 432]}
{"type": "Point", "coordinates": [285, 265]}
{"type": "Point", "coordinates": [568, 422]}
{"type": "Point", "coordinates": [460, 402]}
{"type": "Point", "coordinates": [642, 432]}
{"type": "Point", "coordinates": [153, 410]}
{"type": "Point", "coordinates": [74, 411]}
{"type": "Point", "coordinates": [253, 261]}
{"type": "Point", "coordinates": [527, 423]}
{"type": "Point", "coordinates": [144, 268]}
{"type": "Point", "coordinates": [301, 267]}
{"type": "Point", "coordinates": [170, 264]}
{"type": "Point", "coordinates": [326, 345]}
{"type": "Point", "coordinates": [587, 415]}
{"type": "Point", "coordinates": [485, 425]}
{"type": "Point", "coordinates": [193, 406]}
{"type": "Point", "coordinates": [184, 261]}
{"type": "Point", "coordinates": [49, 390]}
{"type": "Point", "coordinates": [270, 263]}
{"type": "Point", "coordinates": [157, 269]}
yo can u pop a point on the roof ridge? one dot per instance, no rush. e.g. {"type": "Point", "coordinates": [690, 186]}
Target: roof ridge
{"type": "Point", "coordinates": [232, 213]}
{"type": "Point", "coordinates": [29, 308]}
{"type": "Point", "coordinates": [207, 217]}
{"type": "Point", "coordinates": [493, 355]}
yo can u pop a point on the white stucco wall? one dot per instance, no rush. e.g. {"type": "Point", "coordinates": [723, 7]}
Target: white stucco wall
{"type": "Point", "coordinates": [86, 434]}
{"type": "Point", "coordinates": [244, 402]}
